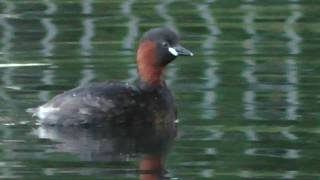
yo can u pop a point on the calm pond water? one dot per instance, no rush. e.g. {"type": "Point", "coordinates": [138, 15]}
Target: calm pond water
{"type": "Point", "coordinates": [248, 100]}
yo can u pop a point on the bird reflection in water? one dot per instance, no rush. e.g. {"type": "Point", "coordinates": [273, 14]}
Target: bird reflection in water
{"type": "Point", "coordinates": [150, 142]}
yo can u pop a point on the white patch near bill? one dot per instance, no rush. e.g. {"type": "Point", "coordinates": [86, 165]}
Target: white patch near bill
{"type": "Point", "coordinates": [176, 121]}
{"type": "Point", "coordinates": [43, 112]}
{"type": "Point", "coordinates": [173, 51]}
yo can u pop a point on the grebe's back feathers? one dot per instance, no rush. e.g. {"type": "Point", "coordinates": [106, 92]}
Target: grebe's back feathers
{"type": "Point", "coordinates": [89, 104]}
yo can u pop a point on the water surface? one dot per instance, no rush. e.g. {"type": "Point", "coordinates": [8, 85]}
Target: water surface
{"type": "Point", "coordinates": [248, 100]}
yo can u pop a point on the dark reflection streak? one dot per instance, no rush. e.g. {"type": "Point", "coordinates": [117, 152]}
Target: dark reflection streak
{"type": "Point", "coordinates": [250, 68]}
{"type": "Point", "coordinates": [133, 31]}
{"type": "Point", "coordinates": [209, 97]}
{"type": "Point", "coordinates": [162, 11]}
{"type": "Point", "coordinates": [149, 144]}
{"type": "Point", "coordinates": [292, 72]}
{"type": "Point", "coordinates": [87, 72]}
{"type": "Point", "coordinates": [47, 47]}
{"type": "Point", "coordinates": [7, 36]}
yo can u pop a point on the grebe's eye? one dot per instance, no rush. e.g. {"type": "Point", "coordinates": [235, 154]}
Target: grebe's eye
{"type": "Point", "coordinates": [165, 44]}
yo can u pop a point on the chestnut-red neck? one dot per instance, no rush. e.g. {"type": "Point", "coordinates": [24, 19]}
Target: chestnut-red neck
{"type": "Point", "coordinates": [151, 167]}
{"type": "Point", "coordinates": [149, 69]}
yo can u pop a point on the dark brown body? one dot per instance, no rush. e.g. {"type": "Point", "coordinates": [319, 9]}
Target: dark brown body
{"type": "Point", "coordinates": [113, 102]}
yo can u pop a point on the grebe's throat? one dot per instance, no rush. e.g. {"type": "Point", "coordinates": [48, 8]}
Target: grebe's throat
{"type": "Point", "coordinates": [148, 67]}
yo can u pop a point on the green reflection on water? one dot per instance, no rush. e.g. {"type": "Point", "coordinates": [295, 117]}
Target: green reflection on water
{"type": "Point", "coordinates": [248, 100]}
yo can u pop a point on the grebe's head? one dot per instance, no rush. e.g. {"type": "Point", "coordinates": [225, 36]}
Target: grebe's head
{"type": "Point", "coordinates": [158, 47]}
